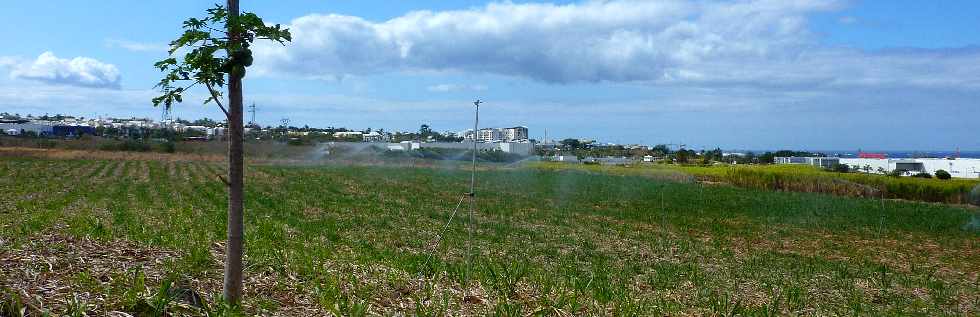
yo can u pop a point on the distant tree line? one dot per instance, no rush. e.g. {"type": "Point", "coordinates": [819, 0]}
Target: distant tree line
{"type": "Point", "coordinates": [664, 153]}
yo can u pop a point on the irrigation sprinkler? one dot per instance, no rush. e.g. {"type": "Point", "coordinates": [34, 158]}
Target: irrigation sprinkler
{"type": "Point", "coordinates": [663, 208]}
{"type": "Point", "coordinates": [881, 221]}
{"type": "Point", "coordinates": [700, 197]}
{"type": "Point", "coordinates": [472, 202]}
{"type": "Point", "coordinates": [472, 193]}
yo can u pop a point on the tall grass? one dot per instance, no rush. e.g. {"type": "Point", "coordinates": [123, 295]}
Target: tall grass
{"type": "Point", "coordinates": [801, 179]}
{"type": "Point", "coordinates": [805, 179]}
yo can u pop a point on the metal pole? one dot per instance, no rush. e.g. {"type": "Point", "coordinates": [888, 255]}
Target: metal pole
{"type": "Point", "coordinates": [476, 124]}
{"type": "Point", "coordinates": [472, 193]}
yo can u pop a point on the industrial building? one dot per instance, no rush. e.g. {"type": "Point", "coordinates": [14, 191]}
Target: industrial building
{"type": "Point", "coordinates": [957, 167]}
{"type": "Point", "coordinates": [45, 128]}
{"type": "Point", "coordinates": [28, 127]}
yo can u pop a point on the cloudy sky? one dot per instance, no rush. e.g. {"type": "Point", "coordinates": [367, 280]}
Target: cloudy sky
{"type": "Point", "coordinates": [748, 74]}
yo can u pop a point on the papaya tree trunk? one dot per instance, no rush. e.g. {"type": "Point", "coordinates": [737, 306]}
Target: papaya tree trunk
{"type": "Point", "coordinates": [236, 177]}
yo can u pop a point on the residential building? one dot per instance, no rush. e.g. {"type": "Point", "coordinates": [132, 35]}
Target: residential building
{"type": "Point", "coordinates": [515, 134]}
{"type": "Point", "coordinates": [489, 135]}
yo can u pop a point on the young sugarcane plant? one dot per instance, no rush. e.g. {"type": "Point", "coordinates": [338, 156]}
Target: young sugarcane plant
{"type": "Point", "coordinates": [217, 55]}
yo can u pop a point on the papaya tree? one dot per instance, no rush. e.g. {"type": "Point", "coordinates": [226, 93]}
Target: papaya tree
{"type": "Point", "coordinates": [216, 53]}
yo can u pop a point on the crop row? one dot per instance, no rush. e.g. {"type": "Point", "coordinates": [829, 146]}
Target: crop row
{"type": "Point", "coordinates": [354, 240]}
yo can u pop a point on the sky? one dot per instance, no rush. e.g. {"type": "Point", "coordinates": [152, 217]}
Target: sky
{"type": "Point", "coordinates": [748, 74]}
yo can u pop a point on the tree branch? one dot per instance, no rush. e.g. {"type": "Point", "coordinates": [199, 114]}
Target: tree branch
{"type": "Point", "coordinates": [190, 86]}
{"type": "Point", "coordinates": [214, 95]}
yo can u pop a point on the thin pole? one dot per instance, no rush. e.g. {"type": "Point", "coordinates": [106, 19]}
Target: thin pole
{"type": "Point", "coordinates": [476, 124]}
{"type": "Point", "coordinates": [472, 193]}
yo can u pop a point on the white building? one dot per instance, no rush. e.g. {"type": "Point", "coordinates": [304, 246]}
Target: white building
{"type": "Point", "coordinates": [489, 135]}
{"type": "Point", "coordinates": [651, 158]}
{"type": "Point", "coordinates": [825, 162]}
{"type": "Point", "coordinates": [349, 134]}
{"type": "Point", "coordinates": [36, 127]}
{"type": "Point", "coordinates": [522, 148]}
{"type": "Point", "coordinates": [216, 132]}
{"type": "Point", "coordinates": [515, 134]}
{"type": "Point", "coordinates": [958, 167]}
{"type": "Point", "coordinates": [374, 136]}
{"type": "Point", "coordinates": [870, 165]}
{"type": "Point", "coordinates": [198, 128]}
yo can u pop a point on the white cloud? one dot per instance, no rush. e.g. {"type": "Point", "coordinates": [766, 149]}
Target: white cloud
{"type": "Point", "coordinates": [78, 71]}
{"type": "Point", "coordinates": [755, 42]}
{"type": "Point", "coordinates": [624, 40]}
{"type": "Point", "coordinates": [137, 46]}
{"type": "Point", "coordinates": [456, 87]}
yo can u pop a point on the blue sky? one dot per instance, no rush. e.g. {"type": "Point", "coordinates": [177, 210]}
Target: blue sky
{"type": "Point", "coordinates": [752, 74]}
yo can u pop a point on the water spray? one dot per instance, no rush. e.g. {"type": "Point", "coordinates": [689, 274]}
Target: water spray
{"type": "Point", "coordinates": [974, 198]}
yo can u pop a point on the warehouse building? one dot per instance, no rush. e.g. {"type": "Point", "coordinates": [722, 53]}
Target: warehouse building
{"type": "Point", "coordinates": [957, 167]}
{"type": "Point", "coordinates": [72, 130]}
{"type": "Point", "coordinates": [28, 127]}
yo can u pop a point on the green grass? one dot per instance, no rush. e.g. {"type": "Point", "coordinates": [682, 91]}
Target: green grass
{"type": "Point", "coordinates": [358, 240]}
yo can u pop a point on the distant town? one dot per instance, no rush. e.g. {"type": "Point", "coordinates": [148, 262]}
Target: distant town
{"type": "Point", "coordinates": [207, 129]}
{"type": "Point", "coordinates": [513, 140]}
